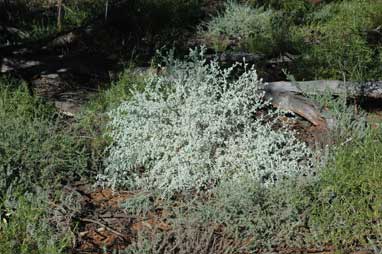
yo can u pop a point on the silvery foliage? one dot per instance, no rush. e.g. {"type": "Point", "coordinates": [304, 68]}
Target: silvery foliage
{"type": "Point", "coordinates": [239, 21]}
{"type": "Point", "coordinates": [194, 127]}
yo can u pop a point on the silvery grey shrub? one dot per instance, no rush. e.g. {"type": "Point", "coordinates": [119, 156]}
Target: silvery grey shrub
{"type": "Point", "coordinates": [238, 21]}
{"type": "Point", "coordinates": [196, 126]}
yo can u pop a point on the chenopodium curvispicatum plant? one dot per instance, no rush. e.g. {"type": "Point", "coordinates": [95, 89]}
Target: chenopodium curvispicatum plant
{"type": "Point", "coordinates": [196, 126]}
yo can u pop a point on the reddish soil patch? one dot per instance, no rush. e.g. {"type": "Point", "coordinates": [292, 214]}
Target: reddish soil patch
{"type": "Point", "coordinates": [107, 198]}
{"type": "Point", "coordinates": [105, 225]}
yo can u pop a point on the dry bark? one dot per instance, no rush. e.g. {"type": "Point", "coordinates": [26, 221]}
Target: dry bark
{"type": "Point", "coordinates": [234, 57]}
{"type": "Point", "coordinates": [370, 89]}
{"type": "Point", "coordinates": [299, 105]}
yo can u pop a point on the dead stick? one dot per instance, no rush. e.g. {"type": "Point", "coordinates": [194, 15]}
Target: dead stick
{"type": "Point", "coordinates": [59, 15]}
{"type": "Point", "coordinates": [103, 225]}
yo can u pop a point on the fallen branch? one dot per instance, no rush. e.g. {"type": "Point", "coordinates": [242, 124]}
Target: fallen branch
{"type": "Point", "coordinates": [14, 31]}
{"type": "Point", "coordinates": [289, 95]}
{"type": "Point", "coordinates": [103, 225]}
{"type": "Point", "coordinates": [370, 89]}
{"type": "Point", "coordinates": [234, 57]}
{"type": "Point", "coordinates": [299, 105]}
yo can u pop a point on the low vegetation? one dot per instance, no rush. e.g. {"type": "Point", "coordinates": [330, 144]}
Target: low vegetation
{"type": "Point", "coordinates": [346, 207]}
{"type": "Point", "coordinates": [35, 149]}
{"type": "Point", "coordinates": [350, 52]}
{"type": "Point", "coordinates": [332, 41]}
{"type": "Point", "coordinates": [196, 146]}
{"type": "Point", "coordinates": [242, 214]}
{"type": "Point", "coordinates": [192, 128]}
{"type": "Point", "coordinates": [25, 225]}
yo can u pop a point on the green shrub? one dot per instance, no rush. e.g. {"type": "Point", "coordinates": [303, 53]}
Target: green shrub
{"type": "Point", "coordinates": [334, 43]}
{"type": "Point", "coordinates": [296, 10]}
{"type": "Point", "coordinates": [35, 149]}
{"type": "Point", "coordinates": [25, 228]}
{"type": "Point", "coordinates": [347, 206]}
